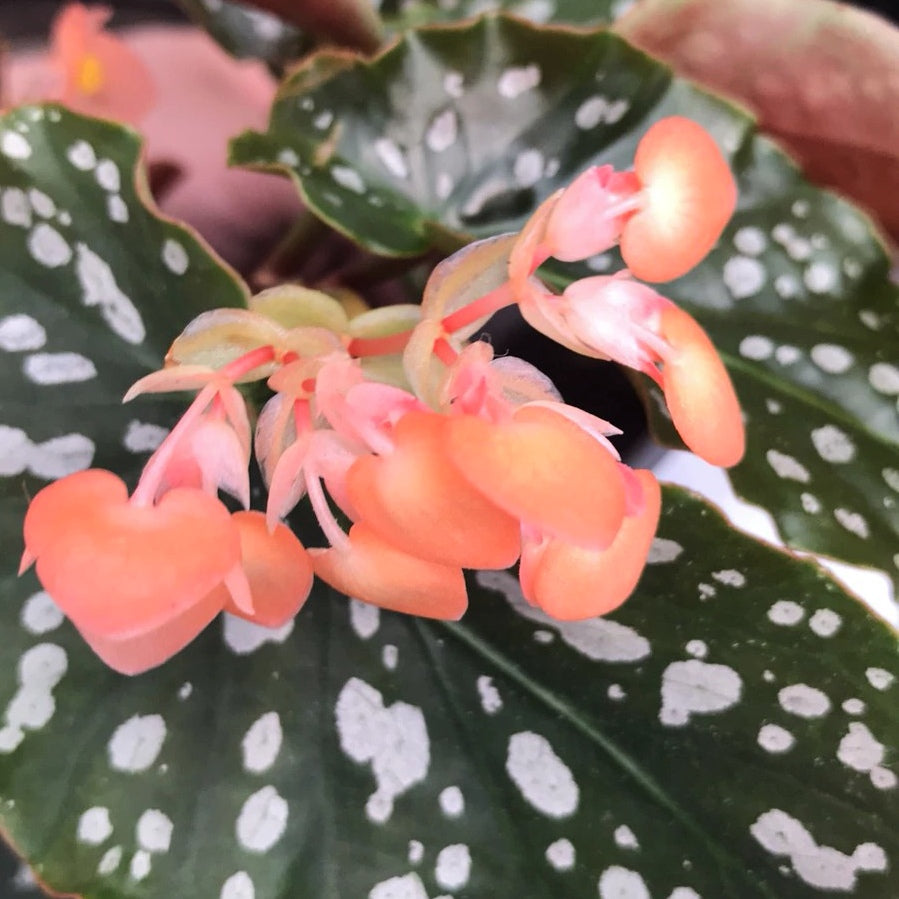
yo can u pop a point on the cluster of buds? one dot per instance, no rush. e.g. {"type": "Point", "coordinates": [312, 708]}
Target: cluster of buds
{"type": "Point", "coordinates": [437, 456]}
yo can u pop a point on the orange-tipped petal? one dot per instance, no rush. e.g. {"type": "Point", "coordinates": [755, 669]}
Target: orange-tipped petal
{"type": "Point", "coordinates": [544, 470]}
{"type": "Point", "coordinates": [136, 654]}
{"type": "Point", "coordinates": [689, 195]}
{"type": "Point", "coordinates": [570, 583]}
{"type": "Point", "coordinates": [119, 570]}
{"type": "Point", "coordinates": [369, 569]}
{"type": "Point", "coordinates": [278, 568]}
{"type": "Point", "coordinates": [699, 393]}
{"type": "Point", "coordinates": [416, 499]}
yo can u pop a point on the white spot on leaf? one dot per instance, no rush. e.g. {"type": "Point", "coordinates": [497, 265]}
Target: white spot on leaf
{"type": "Point", "coordinates": [453, 866]}
{"type": "Point", "coordinates": [94, 826]}
{"type": "Point", "coordinates": [879, 678]}
{"type": "Point", "coordinates": [393, 740]}
{"type": "Point", "coordinates": [544, 780]}
{"type": "Point", "coordinates": [243, 637]}
{"type": "Point", "coordinates": [48, 247]}
{"type": "Point", "coordinates": [40, 614]}
{"type": "Point", "coordinates": [832, 358]}
{"type": "Point", "coordinates": [99, 288]}
{"type": "Point", "coordinates": [175, 257]}
{"type": "Point", "coordinates": [442, 131]}
{"type": "Point", "coordinates": [407, 887]}
{"type": "Point", "coordinates": [262, 820]}
{"type": "Point", "coordinates": [663, 550]}
{"type": "Point", "coordinates": [617, 882]}
{"type": "Point", "coordinates": [14, 146]}
{"type": "Point", "coordinates": [48, 369]}
{"type": "Point", "coordinates": [833, 445]}
{"type": "Point", "coordinates": [81, 155]}
{"type": "Point", "coordinates": [392, 157]}
{"type": "Point", "coordinates": [743, 276]}
{"type": "Point", "coordinates": [697, 688]}
{"type": "Point", "coordinates": [262, 743]}
{"type": "Point", "coordinates": [21, 332]}
{"type": "Point", "coordinates": [561, 854]}
{"type": "Point", "coordinates": [136, 744]}
{"type": "Point", "coordinates": [365, 618]}
{"type": "Point", "coordinates": [825, 622]}
{"type": "Point", "coordinates": [786, 612]}
{"type": "Point", "coordinates": [238, 886]}
{"type": "Point", "coordinates": [452, 802]}
{"type": "Point", "coordinates": [154, 831]}
{"type": "Point", "coordinates": [804, 701]}
{"type": "Point", "coordinates": [491, 701]}
{"type": "Point", "coordinates": [517, 80]}
{"type": "Point", "coordinates": [821, 867]}
{"type": "Point", "coordinates": [787, 467]}
{"type": "Point", "coordinates": [775, 739]}
{"type": "Point", "coordinates": [107, 175]}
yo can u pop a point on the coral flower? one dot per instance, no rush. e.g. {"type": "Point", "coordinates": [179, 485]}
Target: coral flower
{"type": "Point", "coordinates": [572, 582]}
{"type": "Point", "coordinates": [100, 74]}
{"type": "Point", "coordinates": [121, 570]}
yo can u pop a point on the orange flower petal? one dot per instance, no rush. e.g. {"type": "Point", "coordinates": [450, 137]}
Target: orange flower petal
{"type": "Point", "coordinates": [103, 76]}
{"type": "Point", "coordinates": [374, 571]}
{"type": "Point", "coordinates": [278, 568]}
{"type": "Point", "coordinates": [699, 393]}
{"type": "Point", "coordinates": [544, 470]}
{"type": "Point", "coordinates": [134, 655]}
{"type": "Point", "coordinates": [690, 195]}
{"type": "Point", "coordinates": [570, 583]}
{"type": "Point", "coordinates": [119, 570]}
{"type": "Point", "coordinates": [415, 499]}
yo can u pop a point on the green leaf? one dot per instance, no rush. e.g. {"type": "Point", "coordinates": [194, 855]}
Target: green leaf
{"type": "Point", "coordinates": [728, 733]}
{"type": "Point", "coordinates": [249, 33]}
{"type": "Point", "coordinates": [94, 285]}
{"type": "Point", "coordinates": [400, 15]}
{"type": "Point", "coordinates": [460, 132]}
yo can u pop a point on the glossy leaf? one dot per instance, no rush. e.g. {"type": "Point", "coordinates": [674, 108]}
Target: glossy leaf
{"type": "Point", "coordinates": [248, 32]}
{"type": "Point", "coordinates": [94, 284]}
{"type": "Point", "coordinates": [796, 295]}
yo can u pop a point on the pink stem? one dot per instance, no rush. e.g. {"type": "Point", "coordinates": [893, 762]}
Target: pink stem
{"type": "Point", "coordinates": [326, 520]}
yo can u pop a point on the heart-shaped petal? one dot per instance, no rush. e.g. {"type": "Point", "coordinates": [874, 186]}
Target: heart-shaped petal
{"type": "Point", "coordinates": [417, 500]}
{"type": "Point", "coordinates": [118, 569]}
{"type": "Point", "coordinates": [689, 194]}
{"type": "Point", "coordinates": [278, 568]}
{"type": "Point", "coordinates": [369, 569]}
{"type": "Point", "coordinates": [545, 470]}
{"type": "Point", "coordinates": [699, 393]}
{"type": "Point", "coordinates": [139, 653]}
{"type": "Point", "coordinates": [570, 583]}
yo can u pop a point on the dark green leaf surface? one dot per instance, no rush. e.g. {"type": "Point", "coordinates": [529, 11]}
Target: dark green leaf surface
{"type": "Point", "coordinates": [461, 132]}
{"type": "Point", "coordinates": [402, 14]}
{"type": "Point", "coordinates": [93, 287]}
{"type": "Point", "coordinates": [247, 32]}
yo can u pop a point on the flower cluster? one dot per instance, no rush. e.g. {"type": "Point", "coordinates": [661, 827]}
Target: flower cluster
{"type": "Point", "coordinates": [437, 455]}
